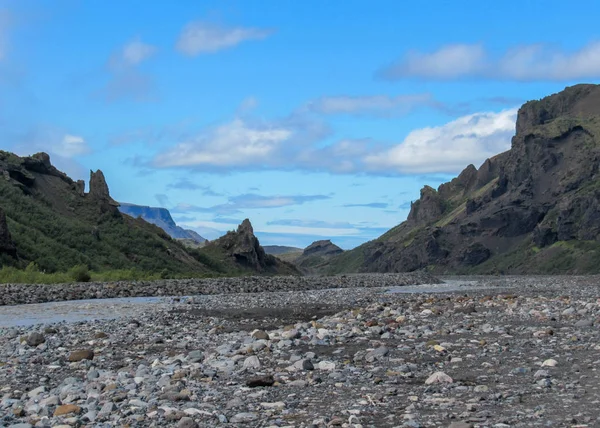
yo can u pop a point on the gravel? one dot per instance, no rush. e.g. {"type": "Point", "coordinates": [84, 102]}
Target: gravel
{"type": "Point", "coordinates": [514, 354]}
{"type": "Point", "coordinates": [15, 294]}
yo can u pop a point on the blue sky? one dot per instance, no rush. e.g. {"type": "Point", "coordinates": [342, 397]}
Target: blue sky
{"type": "Point", "coordinates": [314, 119]}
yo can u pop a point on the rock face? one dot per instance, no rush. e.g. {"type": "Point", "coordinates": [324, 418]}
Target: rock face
{"type": "Point", "coordinates": [99, 191]}
{"type": "Point", "coordinates": [161, 217]}
{"type": "Point", "coordinates": [243, 248]}
{"type": "Point", "coordinates": [534, 208]}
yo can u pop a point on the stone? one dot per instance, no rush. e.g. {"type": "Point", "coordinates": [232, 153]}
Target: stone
{"type": "Point", "coordinates": [244, 417]}
{"type": "Point", "coordinates": [35, 339]}
{"type": "Point", "coordinates": [326, 365]}
{"type": "Point", "coordinates": [66, 409]}
{"type": "Point", "coordinates": [252, 362]}
{"type": "Point", "coordinates": [187, 422]}
{"type": "Point", "coordinates": [37, 391]}
{"type": "Point", "coordinates": [376, 354]}
{"type": "Point", "coordinates": [84, 354]}
{"type": "Point", "coordinates": [438, 377]}
{"type": "Point", "coordinates": [550, 363]}
{"type": "Point", "coordinates": [260, 335]}
{"type": "Point", "coordinates": [258, 381]}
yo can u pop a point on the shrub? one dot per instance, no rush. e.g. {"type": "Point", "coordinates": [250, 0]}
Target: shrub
{"type": "Point", "coordinates": [80, 273]}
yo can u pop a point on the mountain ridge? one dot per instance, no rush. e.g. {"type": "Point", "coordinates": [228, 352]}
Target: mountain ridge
{"type": "Point", "coordinates": [532, 209]}
{"type": "Point", "coordinates": [162, 218]}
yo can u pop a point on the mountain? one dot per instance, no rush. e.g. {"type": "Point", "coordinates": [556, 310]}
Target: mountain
{"type": "Point", "coordinates": [161, 217]}
{"type": "Point", "coordinates": [242, 252]}
{"type": "Point", "coordinates": [314, 257]}
{"type": "Point", "coordinates": [532, 209]}
{"type": "Point", "coordinates": [280, 249]}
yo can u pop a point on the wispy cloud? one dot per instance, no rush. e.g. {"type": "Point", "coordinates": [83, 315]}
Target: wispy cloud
{"type": "Point", "coordinates": [298, 143]}
{"type": "Point", "coordinates": [186, 184]}
{"type": "Point", "coordinates": [378, 205]}
{"type": "Point", "coordinates": [201, 37]}
{"type": "Point", "coordinates": [126, 81]}
{"type": "Point", "coordinates": [131, 54]}
{"type": "Point", "coordinates": [310, 223]}
{"type": "Point", "coordinates": [373, 105]}
{"type": "Point", "coordinates": [522, 63]}
{"type": "Point", "coordinates": [250, 201]}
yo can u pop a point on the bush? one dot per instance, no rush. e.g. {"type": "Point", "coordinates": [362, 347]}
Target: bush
{"type": "Point", "coordinates": [80, 273]}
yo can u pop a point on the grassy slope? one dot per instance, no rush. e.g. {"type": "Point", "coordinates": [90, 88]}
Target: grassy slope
{"type": "Point", "coordinates": [58, 242]}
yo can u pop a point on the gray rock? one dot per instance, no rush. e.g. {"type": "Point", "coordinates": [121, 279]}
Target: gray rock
{"type": "Point", "coordinates": [35, 339]}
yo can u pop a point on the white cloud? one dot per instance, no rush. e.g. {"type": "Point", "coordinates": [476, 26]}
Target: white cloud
{"type": "Point", "coordinates": [202, 37]}
{"type": "Point", "coordinates": [450, 147]}
{"type": "Point", "coordinates": [235, 143]}
{"type": "Point", "coordinates": [521, 63]}
{"type": "Point", "coordinates": [294, 144]}
{"type": "Point", "coordinates": [71, 146]}
{"type": "Point", "coordinates": [126, 81]}
{"type": "Point", "coordinates": [374, 104]}
{"type": "Point", "coordinates": [132, 54]}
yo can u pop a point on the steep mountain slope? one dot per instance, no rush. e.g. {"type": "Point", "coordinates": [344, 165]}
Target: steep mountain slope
{"type": "Point", "coordinates": [532, 209]}
{"type": "Point", "coordinates": [50, 220]}
{"type": "Point", "coordinates": [160, 217]}
{"type": "Point", "coordinates": [242, 252]}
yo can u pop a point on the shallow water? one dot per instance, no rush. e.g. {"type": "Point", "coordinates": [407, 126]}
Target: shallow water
{"type": "Point", "coordinates": [99, 309]}
{"type": "Point", "coordinates": [74, 310]}
{"type": "Point", "coordinates": [449, 285]}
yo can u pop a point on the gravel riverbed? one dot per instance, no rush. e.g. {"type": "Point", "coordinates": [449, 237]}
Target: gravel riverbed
{"type": "Point", "coordinates": [516, 352]}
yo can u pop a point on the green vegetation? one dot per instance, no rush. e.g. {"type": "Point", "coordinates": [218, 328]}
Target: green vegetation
{"type": "Point", "coordinates": [348, 261]}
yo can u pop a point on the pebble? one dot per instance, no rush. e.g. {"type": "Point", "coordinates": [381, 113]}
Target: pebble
{"type": "Point", "coordinates": [355, 357]}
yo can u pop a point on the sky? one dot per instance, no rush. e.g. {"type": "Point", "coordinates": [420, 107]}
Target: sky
{"type": "Point", "coordinates": [315, 120]}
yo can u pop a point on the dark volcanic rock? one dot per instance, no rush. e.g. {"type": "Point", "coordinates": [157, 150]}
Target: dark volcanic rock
{"type": "Point", "coordinates": [541, 193]}
{"type": "Point", "coordinates": [99, 188]}
{"type": "Point", "coordinates": [244, 249]}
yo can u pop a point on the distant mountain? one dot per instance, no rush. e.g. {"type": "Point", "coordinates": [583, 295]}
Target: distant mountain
{"type": "Point", "coordinates": [48, 218]}
{"type": "Point", "coordinates": [280, 249]}
{"type": "Point", "coordinates": [532, 209]}
{"type": "Point", "coordinates": [314, 257]}
{"type": "Point", "coordinates": [161, 217]}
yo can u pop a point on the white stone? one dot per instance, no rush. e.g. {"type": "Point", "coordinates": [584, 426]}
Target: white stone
{"type": "Point", "coordinates": [550, 363]}
{"type": "Point", "coordinates": [438, 377]}
{"type": "Point", "coordinates": [252, 362]}
{"type": "Point", "coordinates": [326, 365]}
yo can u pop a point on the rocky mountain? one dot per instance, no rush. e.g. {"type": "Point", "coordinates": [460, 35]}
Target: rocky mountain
{"type": "Point", "coordinates": [161, 217]}
{"type": "Point", "coordinates": [49, 219]}
{"type": "Point", "coordinates": [314, 257]}
{"type": "Point", "coordinates": [532, 209]}
{"type": "Point", "coordinates": [242, 251]}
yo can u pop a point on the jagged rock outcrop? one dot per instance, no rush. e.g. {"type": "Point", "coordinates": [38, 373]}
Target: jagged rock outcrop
{"type": "Point", "coordinates": [99, 188]}
{"type": "Point", "coordinates": [244, 249]}
{"type": "Point", "coordinates": [534, 208]}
